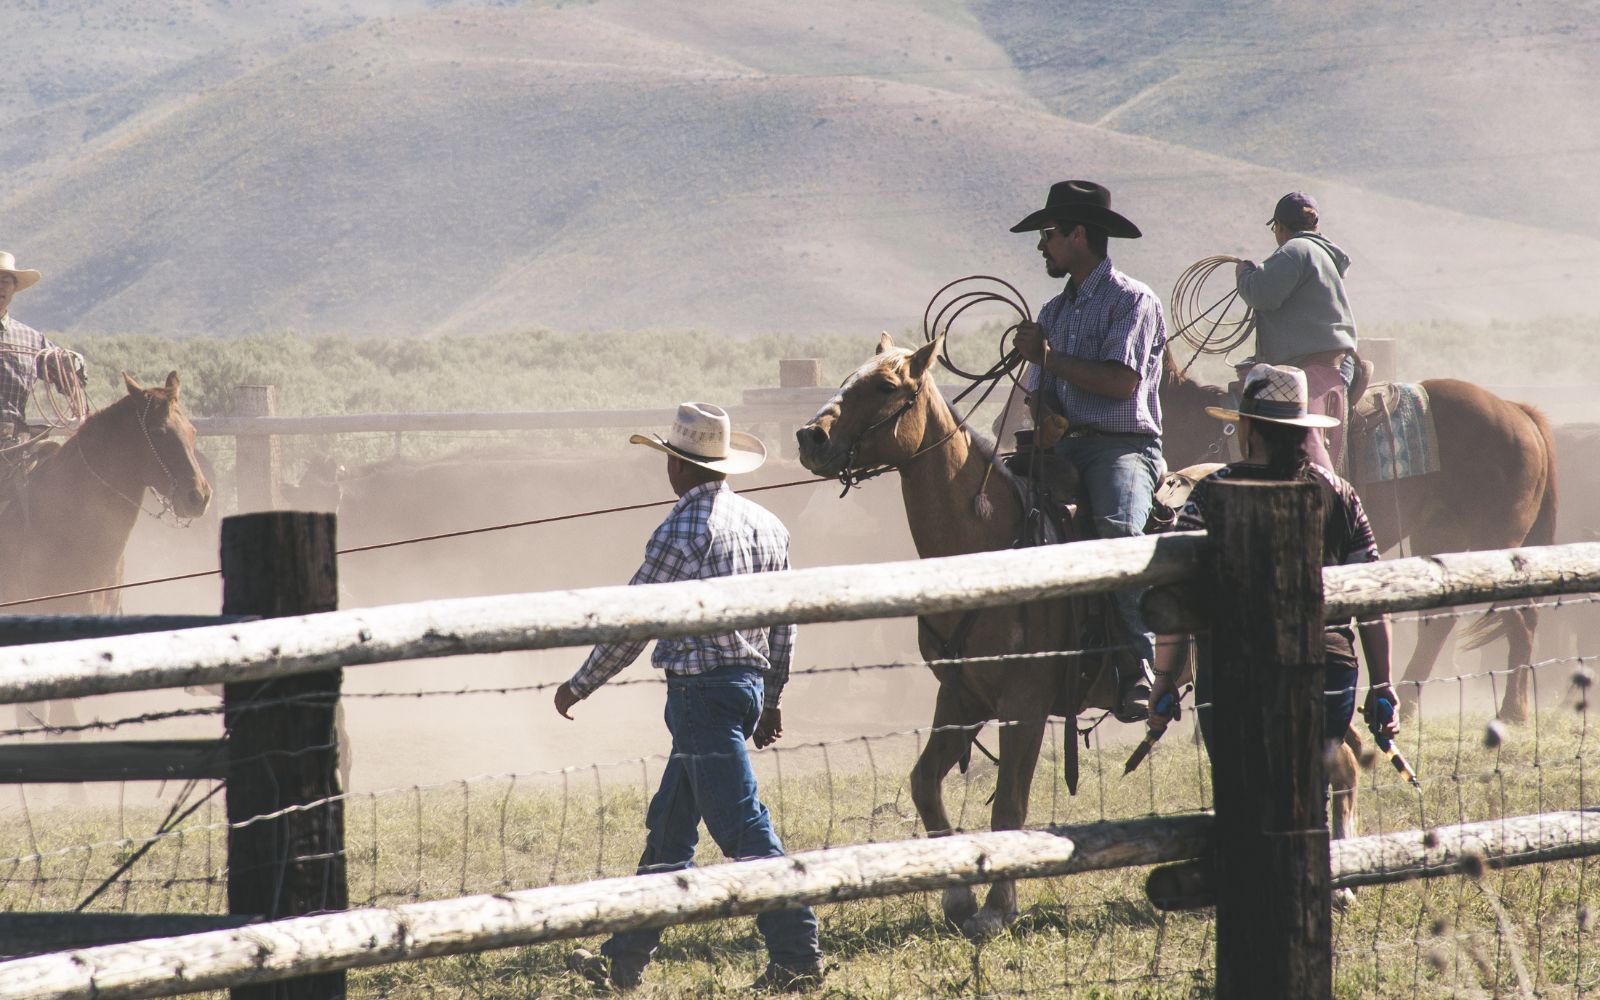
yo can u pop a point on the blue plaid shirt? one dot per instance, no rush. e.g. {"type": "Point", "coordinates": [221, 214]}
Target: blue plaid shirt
{"type": "Point", "coordinates": [711, 532]}
{"type": "Point", "coordinates": [1111, 318]}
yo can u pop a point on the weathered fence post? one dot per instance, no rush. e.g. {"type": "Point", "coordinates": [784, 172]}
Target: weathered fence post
{"type": "Point", "coordinates": [1274, 929]}
{"type": "Point", "coordinates": [256, 455]}
{"type": "Point", "coordinates": [282, 742]}
{"type": "Point", "coordinates": [799, 373]}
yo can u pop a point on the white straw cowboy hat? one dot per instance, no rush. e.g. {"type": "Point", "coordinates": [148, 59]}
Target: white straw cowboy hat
{"type": "Point", "coordinates": [1280, 400]}
{"type": "Point", "coordinates": [701, 435]}
{"type": "Point", "coordinates": [8, 265]}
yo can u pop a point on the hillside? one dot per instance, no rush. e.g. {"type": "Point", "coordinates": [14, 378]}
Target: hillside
{"type": "Point", "coordinates": [1486, 108]}
{"type": "Point", "coordinates": [618, 166]}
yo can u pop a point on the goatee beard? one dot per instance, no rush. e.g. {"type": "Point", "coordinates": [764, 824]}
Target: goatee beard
{"type": "Point", "coordinates": [1054, 270]}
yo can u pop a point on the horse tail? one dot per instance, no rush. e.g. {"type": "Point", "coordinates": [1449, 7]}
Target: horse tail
{"type": "Point", "coordinates": [1542, 532]}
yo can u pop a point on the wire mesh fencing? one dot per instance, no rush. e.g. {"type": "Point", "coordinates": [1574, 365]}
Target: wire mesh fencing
{"type": "Point", "coordinates": [1480, 930]}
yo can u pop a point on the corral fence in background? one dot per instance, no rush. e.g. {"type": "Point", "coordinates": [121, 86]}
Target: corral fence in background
{"type": "Point", "coordinates": [256, 427]}
{"type": "Point", "coordinates": [1263, 860]}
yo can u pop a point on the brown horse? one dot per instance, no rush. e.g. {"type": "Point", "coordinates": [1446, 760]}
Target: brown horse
{"type": "Point", "coordinates": [890, 413]}
{"type": "Point", "coordinates": [65, 526]}
{"type": "Point", "coordinates": [1496, 488]}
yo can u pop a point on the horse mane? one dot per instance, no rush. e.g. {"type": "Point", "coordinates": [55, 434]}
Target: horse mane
{"type": "Point", "coordinates": [986, 445]}
{"type": "Point", "coordinates": [96, 420]}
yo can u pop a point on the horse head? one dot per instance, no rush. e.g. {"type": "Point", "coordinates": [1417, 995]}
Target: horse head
{"type": "Point", "coordinates": [166, 457]}
{"type": "Point", "coordinates": [879, 416]}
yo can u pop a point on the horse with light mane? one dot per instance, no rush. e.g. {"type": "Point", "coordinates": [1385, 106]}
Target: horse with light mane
{"type": "Point", "coordinates": [889, 413]}
{"type": "Point", "coordinates": [66, 524]}
{"type": "Point", "coordinates": [1495, 489]}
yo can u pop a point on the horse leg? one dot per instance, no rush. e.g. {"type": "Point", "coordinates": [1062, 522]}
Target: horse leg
{"type": "Point", "coordinates": [1019, 755]}
{"type": "Point", "coordinates": [1519, 633]}
{"type": "Point", "coordinates": [1344, 772]}
{"type": "Point", "coordinates": [944, 748]}
{"type": "Point", "coordinates": [1431, 636]}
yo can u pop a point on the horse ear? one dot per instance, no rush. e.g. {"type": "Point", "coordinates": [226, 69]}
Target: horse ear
{"type": "Point", "coordinates": [922, 358]}
{"type": "Point", "coordinates": [172, 384]}
{"type": "Point", "coordinates": [885, 342]}
{"type": "Point", "coordinates": [134, 388]}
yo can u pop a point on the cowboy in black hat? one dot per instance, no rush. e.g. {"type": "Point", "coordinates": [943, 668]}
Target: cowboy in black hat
{"type": "Point", "coordinates": [1096, 354]}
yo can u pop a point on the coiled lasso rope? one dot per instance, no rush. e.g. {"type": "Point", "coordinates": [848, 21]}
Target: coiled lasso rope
{"type": "Point", "coordinates": [937, 319]}
{"type": "Point", "coordinates": [1208, 330]}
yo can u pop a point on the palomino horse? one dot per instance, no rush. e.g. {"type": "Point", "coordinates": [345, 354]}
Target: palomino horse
{"type": "Point", "coordinates": [1495, 489]}
{"type": "Point", "coordinates": [890, 413]}
{"type": "Point", "coordinates": [66, 525]}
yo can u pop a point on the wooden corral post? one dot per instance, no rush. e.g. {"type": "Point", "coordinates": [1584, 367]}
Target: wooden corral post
{"type": "Point", "coordinates": [1380, 351]}
{"type": "Point", "coordinates": [256, 456]}
{"type": "Point", "coordinates": [285, 753]}
{"type": "Point", "coordinates": [1271, 875]}
{"type": "Point", "coordinates": [799, 373]}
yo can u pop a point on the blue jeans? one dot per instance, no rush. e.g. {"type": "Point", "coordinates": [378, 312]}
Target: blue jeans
{"type": "Point", "coordinates": [708, 777]}
{"type": "Point", "coordinates": [1118, 475]}
{"type": "Point", "coordinates": [1342, 675]}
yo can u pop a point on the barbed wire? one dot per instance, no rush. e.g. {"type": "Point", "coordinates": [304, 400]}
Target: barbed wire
{"type": "Point", "coordinates": [521, 828]}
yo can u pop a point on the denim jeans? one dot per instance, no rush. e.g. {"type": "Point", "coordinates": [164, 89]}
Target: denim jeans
{"type": "Point", "coordinates": [1340, 678]}
{"type": "Point", "coordinates": [708, 777]}
{"type": "Point", "coordinates": [1119, 474]}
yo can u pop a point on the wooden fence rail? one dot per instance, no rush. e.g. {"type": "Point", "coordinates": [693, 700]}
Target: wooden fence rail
{"type": "Point", "coordinates": [283, 647]}
{"type": "Point", "coordinates": [268, 952]}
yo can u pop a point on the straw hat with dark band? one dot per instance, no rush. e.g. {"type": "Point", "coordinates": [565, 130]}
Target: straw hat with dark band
{"type": "Point", "coordinates": [701, 434]}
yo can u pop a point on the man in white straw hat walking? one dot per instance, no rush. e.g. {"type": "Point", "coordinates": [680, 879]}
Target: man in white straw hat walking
{"type": "Point", "coordinates": [26, 355]}
{"type": "Point", "coordinates": [721, 691]}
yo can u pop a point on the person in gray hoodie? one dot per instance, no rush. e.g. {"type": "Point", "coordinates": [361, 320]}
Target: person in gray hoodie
{"type": "Point", "coordinates": [1303, 316]}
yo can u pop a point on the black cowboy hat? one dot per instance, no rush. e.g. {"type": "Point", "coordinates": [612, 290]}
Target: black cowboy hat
{"type": "Point", "coordinates": [1079, 201]}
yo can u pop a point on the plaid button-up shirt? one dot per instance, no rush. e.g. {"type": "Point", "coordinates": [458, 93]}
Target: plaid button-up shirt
{"type": "Point", "coordinates": [711, 532]}
{"type": "Point", "coordinates": [1111, 318]}
{"type": "Point", "coordinates": [20, 347]}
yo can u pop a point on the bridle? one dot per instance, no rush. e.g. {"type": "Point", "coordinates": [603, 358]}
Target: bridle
{"type": "Point", "coordinates": [852, 477]}
{"type": "Point", "coordinates": [172, 481]}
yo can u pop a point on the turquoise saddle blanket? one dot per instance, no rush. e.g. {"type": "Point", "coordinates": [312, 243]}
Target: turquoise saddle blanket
{"type": "Point", "coordinates": [1392, 434]}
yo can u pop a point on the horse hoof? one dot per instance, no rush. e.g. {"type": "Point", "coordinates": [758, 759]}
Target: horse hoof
{"type": "Point", "coordinates": [985, 924]}
{"type": "Point", "coordinates": [1513, 714]}
{"type": "Point", "coordinates": [960, 905]}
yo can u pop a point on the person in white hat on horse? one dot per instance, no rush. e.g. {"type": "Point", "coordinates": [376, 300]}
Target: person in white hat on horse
{"type": "Point", "coordinates": [26, 355]}
{"type": "Point", "coordinates": [1277, 428]}
{"type": "Point", "coordinates": [721, 691]}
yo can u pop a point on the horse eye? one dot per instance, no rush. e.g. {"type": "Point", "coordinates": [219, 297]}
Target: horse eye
{"type": "Point", "coordinates": [886, 387]}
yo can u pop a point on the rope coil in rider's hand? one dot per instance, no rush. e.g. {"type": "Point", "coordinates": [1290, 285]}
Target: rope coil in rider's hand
{"type": "Point", "coordinates": [1208, 330]}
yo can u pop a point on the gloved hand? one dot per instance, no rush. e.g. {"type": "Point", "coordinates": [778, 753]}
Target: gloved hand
{"type": "Point", "coordinates": [1382, 714]}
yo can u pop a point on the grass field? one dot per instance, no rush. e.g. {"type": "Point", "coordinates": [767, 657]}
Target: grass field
{"type": "Point", "coordinates": [1089, 935]}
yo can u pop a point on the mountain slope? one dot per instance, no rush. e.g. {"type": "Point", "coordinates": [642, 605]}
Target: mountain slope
{"type": "Point", "coordinates": [488, 170]}
{"type": "Point", "coordinates": [1485, 107]}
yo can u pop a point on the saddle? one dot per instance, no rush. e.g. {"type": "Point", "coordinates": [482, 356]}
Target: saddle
{"type": "Point", "coordinates": [1050, 485]}
{"type": "Point", "coordinates": [19, 456]}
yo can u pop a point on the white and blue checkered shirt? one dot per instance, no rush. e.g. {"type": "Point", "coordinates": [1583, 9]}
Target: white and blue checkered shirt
{"type": "Point", "coordinates": [1111, 318]}
{"type": "Point", "coordinates": [711, 532]}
